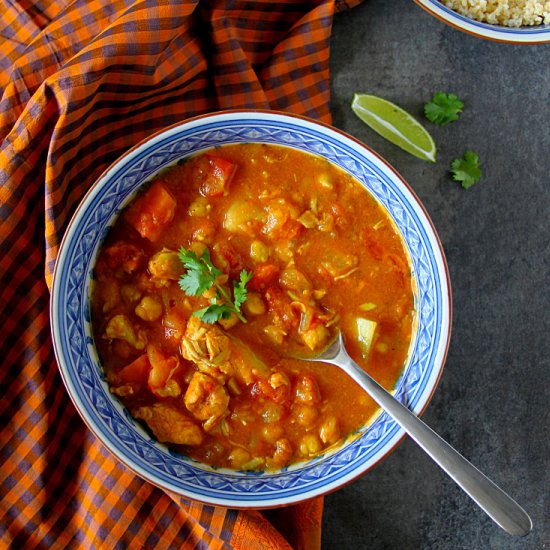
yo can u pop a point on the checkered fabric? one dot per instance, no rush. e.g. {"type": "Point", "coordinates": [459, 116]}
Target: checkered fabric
{"type": "Point", "coordinates": [81, 82]}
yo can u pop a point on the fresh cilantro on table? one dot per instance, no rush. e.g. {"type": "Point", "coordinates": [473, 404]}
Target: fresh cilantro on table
{"type": "Point", "coordinates": [466, 170]}
{"type": "Point", "coordinates": [202, 275]}
{"type": "Point", "coordinates": [443, 108]}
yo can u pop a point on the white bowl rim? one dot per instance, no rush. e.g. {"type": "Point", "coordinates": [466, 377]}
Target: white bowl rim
{"type": "Point", "coordinates": [536, 34]}
{"type": "Point", "coordinates": [303, 122]}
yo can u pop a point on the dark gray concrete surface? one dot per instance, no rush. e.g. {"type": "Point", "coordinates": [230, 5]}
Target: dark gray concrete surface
{"type": "Point", "coordinates": [492, 400]}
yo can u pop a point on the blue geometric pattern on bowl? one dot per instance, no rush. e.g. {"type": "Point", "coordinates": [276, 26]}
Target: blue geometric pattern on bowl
{"type": "Point", "coordinates": [80, 364]}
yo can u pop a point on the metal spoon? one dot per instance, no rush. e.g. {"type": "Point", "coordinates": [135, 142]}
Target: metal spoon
{"type": "Point", "coordinates": [491, 499]}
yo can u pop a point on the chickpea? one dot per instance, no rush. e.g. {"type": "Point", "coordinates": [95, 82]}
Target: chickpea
{"type": "Point", "coordinates": [293, 279]}
{"type": "Point", "coordinates": [149, 309]}
{"type": "Point", "coordinates": [254, 304]}
{"type": "Point", "coordinates": [307, 390]}
{"type": "Point", "coordinates": [130, 294]}
{"type": "Point", "coordinates": [199, 207]}
{"type": "Point", "coordinates": [283, 452]}
{"type": "Point", "coordinates": [272, 413]}
{"type": "Point", "coordinates": [310, 444]}
{"type": "Point", "coordinates": [259, 252]}
{"type": "Point", "coordinates": [166, 265]}
{"type": "Point", "coordinates": [315, 337]}
{"type": "Point", "coordinates": [198, 248]}
{"type": "Point", "coordinates": [238, 457]}
{"type": "Point", "coordinates": [330, 430]}
{"type": "Point", "coordinates": [324, 180]}
{"type": "Point", "coordinates": [229, 323]}
{"type": "Point", "coordinates": [278, 379]}
{"type": "Point", "coordinates": [272, 432]}
{"type": "Point", "coordinates": [275, 334]}
{"type": "Point", "coordinates": [306, 415]}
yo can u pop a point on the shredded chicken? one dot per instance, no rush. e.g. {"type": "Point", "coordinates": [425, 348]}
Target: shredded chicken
{"type": "Point", "coordinates": [220, 355]}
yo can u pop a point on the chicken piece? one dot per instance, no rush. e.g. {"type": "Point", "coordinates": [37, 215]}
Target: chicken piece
{"type": "Point", "coordinates": [119, 327]}
{"type": "Point", "coordinates": [169, 424]}
{"type": "Point", "coordinates": [206, 399]}
{"type": "Point", "coordinates": [220, 355]}
{"type": "Point", "coordinates": [206, 346]}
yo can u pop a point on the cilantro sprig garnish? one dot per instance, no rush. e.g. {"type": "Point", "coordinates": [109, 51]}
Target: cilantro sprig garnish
{"type": "Point", "coordinates": [443, 108]}
{"type": "Point", "coordinates": [202, 275]}
{"type": "Point", "coordinates": [466, 170]}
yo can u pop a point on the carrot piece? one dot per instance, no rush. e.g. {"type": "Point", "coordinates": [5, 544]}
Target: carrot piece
{"type": "Point", "coordinates": [219, 175]}
{"type": "Point", "coordinates": [134, 373]}
{"type": "Point", "coordinates": [152, 212]}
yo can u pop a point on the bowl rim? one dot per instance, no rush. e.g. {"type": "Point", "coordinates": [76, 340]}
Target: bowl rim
{"type": "Point", "coordinates": [446, 295]}
{"type": "Point", "coordinates": [529, 35]}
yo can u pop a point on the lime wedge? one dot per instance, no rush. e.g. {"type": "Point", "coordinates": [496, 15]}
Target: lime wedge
{"type": "Point", "coordinates": [394, 124]}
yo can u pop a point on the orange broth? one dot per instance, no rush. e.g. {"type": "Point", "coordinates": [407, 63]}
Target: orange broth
{"type": "Point", "coordinates": [322, 253]}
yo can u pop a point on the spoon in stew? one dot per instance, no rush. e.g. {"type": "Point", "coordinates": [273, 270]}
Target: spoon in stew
{"type": "Point", "coordinates": [502, 509]}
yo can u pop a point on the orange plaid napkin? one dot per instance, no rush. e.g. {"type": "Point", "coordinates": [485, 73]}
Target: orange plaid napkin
{"type": "Point", "coordinates": [82, 81]}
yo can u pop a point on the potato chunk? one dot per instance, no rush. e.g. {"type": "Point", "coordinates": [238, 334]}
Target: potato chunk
{"type": "Point", "coordinates": [241, 215]}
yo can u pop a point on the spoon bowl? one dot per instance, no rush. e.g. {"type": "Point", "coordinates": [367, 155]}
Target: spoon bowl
{"type": "Point", "coordinates": [501, 508]}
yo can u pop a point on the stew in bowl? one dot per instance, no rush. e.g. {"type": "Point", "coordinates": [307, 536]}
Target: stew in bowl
{"type": "Point", "coordinates": [309, 249]}
{"type": "Point", "coordinates": [203, 262]}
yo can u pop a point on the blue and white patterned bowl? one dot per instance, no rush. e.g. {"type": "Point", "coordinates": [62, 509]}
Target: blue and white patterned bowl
{"type": "Point", "coordinates": [79, 363]}
{"type": "Point", "coordinates": [536, 34]}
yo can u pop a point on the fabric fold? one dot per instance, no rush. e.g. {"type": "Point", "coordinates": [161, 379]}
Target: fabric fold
{"type": "Point", "coordinates": [81, 82]}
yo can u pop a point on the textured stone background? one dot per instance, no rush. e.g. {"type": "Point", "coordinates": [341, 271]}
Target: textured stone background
{"type": "Point", "coordinates": [492, 400]}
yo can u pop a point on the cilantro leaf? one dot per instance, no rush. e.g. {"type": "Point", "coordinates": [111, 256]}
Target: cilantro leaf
{"type": "Point", "coordinates": [239, 289]}
{"type": "Point", "coordinates": [466, 170]}
{"type": "Point", "coordinates": [213, 313]}
{"type": "Point", "coordinates": [443, 108]}
{"type": "Point", "coordinates": [201, 274]}
{"type": "Point", "coordinates": [196, 280]}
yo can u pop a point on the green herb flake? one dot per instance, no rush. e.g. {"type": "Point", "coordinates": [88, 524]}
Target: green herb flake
{"type": "Point", "coordinates": [443, 108]}
{"type": "Point", "coordinates": [201, 274]}
{"type": "Point", "coordinates": [466, 170]}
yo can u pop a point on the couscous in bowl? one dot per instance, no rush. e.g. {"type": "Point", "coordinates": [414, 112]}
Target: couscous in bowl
{"type": "Point", "coordinates": [515, 22]}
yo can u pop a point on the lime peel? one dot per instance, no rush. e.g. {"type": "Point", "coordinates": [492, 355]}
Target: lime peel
{"type": "Point", "coordinates": [395, 124]}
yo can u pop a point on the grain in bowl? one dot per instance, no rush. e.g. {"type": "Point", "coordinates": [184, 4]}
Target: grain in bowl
{"type": "Point", "coordinates": [507, 13]}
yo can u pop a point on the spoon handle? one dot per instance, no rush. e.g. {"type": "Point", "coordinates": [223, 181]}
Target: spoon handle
{"type": "Point", "coordinates": [490, 498]}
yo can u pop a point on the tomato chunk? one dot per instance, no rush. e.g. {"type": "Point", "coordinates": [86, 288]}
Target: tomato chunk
{"type": "Point", "coordinates": [152, 212]}
{"type": "Point", "coordinates": [219, 175]}
{"type": "Point", "coordinates": [264, 275]}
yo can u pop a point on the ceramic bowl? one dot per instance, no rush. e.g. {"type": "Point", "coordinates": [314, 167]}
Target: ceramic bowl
{"type": "Point", "coordinates": [521, 35]}
{"type": "Point", "coordinates": [80, 366]}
